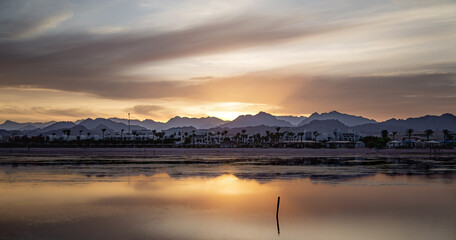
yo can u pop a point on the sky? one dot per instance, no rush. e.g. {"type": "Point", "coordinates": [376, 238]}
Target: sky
{"type": "Point", "coordinates": [69, 60]}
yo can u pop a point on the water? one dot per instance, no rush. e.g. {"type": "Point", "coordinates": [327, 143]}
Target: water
{"type": "Point", "coordinates": [209, 199]}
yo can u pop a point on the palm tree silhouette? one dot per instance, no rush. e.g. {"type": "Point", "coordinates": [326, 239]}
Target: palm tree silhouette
{"type": "Point", "coordinates": [446, 134]}
{"type": "Point", "coordinates": [384, 133]}
{"type": "Point", "coordinates": [134, 134]}
{"type": "Point", "coordinates": [409, 133]}
{"type": "Point", "coordinates": [316, 134]}
{"type": "Point", "coordinates": [243, 135]}
{"type": "Point", "coordinates": [301, 134]}
{"type": "Point", "coordinates": [67, 132]}
{"type": "Point", "coordinates": [225, 132]}
{"type": "Point", "coordinates": [154, 132]}
{"type": "Point", "coordinates": [268, 136]}
{"type": "Point", "coordinates": [428, 133]}
{"type": "Point", "coordinates": [238, 135]}
{"type": "Point", "coordinates": [103, 132]}
{"type": "Point", "coordinates": [394, 135]}
{"type": "Point", "coordinates": [278, 135]}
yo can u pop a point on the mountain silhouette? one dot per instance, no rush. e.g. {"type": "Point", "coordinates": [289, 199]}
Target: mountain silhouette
{"type": "Point", "coordinates": [346, 119]}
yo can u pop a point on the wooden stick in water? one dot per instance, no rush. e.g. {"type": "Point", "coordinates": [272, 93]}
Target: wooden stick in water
{"type": "Point", "coordinates": [277, 215]}
{"type": "Point", "coordinates": [278, 204]}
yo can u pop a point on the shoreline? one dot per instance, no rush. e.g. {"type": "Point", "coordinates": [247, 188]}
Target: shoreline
{"type": "Point", "coordinates": [223, 152]}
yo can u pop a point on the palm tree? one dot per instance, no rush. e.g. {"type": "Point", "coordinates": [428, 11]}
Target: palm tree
{"type": "Point", "coordinates": [268, 135]}
{"type": "Point", "coordinates": [154, 132]}
{"type": "Point", "coordinates": [238, 135]}
{"type": "Point", "coordinates": [428, 133]}
{"type": "Point", "coordinates": [161, 136]}
{"type": "Point", "coordinates": [67, 132]}
{"type": "Point", "coordinates": [316, 134]}
{"type": "Point", "coordinates": [446, 134]}
{"type": "Point", "coordinates": [88, 137]}
{"type": "Point", "coordinates": [394, 135]}
{"type": "Point", "coordinates": [243, 135]}
{"type": "Point", "coordinates": [384, 133]}
{"type": "Point", "coordinates": [277, 134]}
{"type": "Point", "coordinates": [121, 134]}
{"type": "Point", "coordinates": [301, 134]}
{"type": "Point", "coordinates": [185, 136]}
{"type": "Point", "coordinates": [225, 132]}
{"type": "Point", "coordinates": [102, 131]}
{"type": "Point", "coordinates": [409, 133]}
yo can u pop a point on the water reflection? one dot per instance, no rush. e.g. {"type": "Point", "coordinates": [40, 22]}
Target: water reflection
{"type": "Point", "coordinates": [36, 204]}
{"type": "Point", "coordinates": [262, 169]}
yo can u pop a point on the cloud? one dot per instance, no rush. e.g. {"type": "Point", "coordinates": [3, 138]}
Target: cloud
{"type": "Point", "coordinates": [46, 112]}
{"type": "Point", "coordinates": [146, 110]}
{"type": "Point", "coordinates": [21, 19]}
{"type": "Point", "coordinates": [372, 62]}
{"type": "Point", "coordinates": [97, 64]}
{"type": "Point", "coordinates": [28, 28]}
{"type": "Point", "coordinates": [380, 96]}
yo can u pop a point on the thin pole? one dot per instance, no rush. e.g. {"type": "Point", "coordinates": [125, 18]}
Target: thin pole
{"type": "Point", "coordinates": [278, 204]}
{"type": "Point", "coordinates": [277, 215]}
{"type": "Point", "coordinates": [129, 123]}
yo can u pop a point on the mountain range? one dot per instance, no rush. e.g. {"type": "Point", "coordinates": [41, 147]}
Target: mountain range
{"type": "Point", "coordinates": [259, 122]}
{"type": "Point", "coordinates": [261, 118]}
{"type": "Point", "coordinates": [199, 123]}
{"type": "Point", "coordinates": [346, 119]}
{"type": "Point", "coordinates": [10, 125]}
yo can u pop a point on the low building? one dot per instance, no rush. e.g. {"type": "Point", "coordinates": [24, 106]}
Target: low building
{"type": "Point", "coordinates": [394, 144]}
{"type": "Point", "coordinates": [341, 144]}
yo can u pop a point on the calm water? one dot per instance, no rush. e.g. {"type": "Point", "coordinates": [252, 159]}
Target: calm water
{"type": "Point", "coordinates": [226, 201]}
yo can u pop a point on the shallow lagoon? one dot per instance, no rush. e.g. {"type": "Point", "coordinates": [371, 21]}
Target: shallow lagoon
{"type": "Point", "coordinates": [226, 198]}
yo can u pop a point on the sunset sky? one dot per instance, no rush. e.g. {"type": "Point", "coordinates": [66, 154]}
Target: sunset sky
{"type": "Point", "coordinates": [68, 60]}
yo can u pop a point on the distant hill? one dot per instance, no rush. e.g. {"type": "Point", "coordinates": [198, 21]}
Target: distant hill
{"type": "Point", "coordinates": [74, 131]}
{"type": "Point", "coordinates": [294, 120]}
{"type": "Point", "coordinates": [109, 124]}
{"type": "Point", "coordinates": [10, 125]}
{"type": "Point", "coordinates": [148, 123]}
{"type": "Point", "coordinates": [323, 126]}
{"type": "Point", "coordinates": [199, 123]}
{"type": "Point", "coordinates": [57, 126]}
{"type": "Point", "coordinates": [346, 119]}
{"type": "Point", "coordinates": [261, 118]}
{"type": "Point", "coordinates": [436, 123]}
{"type": "Point", "coordinates": [259, 123]}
